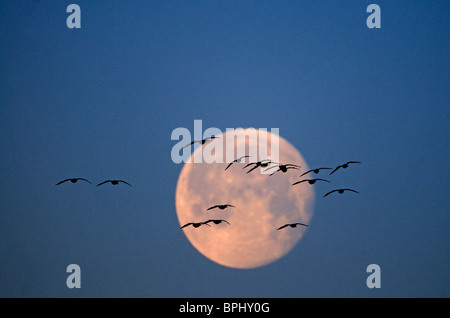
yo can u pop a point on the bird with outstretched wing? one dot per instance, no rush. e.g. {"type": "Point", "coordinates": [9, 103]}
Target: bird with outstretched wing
{"type": "Point", "coordinates": [73, 180]}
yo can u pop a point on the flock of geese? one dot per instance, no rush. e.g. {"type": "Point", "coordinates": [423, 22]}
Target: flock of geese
{"type": "Point", "coordinates": [75, 180]}
{"type": "Point", "coordinates": [269, 165]}
{"type": "Point", "coordinates": [266, 163]}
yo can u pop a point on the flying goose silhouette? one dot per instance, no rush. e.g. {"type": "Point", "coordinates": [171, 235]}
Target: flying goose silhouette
{"type": "Point", "coordinates": [238, 160]}
{"type": "Point", "coordinates": [73, 180]}
{"type": "Point", "coordinates": [310, 181]}
{"type": "Point", "coordinates": [283, 168]}
{"type": "Point", "coordinates": [344, 166]}
{"type": "Point", "coordinates": [202, 142]}
{"type": "Point", "coordinates": [314, 170]}
{"type": "Point", "coordinates": [198, 224]}
{"type": "Point", "coordinates": [216, 222]}
{"type": "Point", "coordinates": [113, 182]}
{"type": "Point", "coordinates": [340, 191]}
{"type": "Point", "coordinates": [220, 206]}
{"type": "Point", "coordinates": [291, 225]}
{"type": "Point", "coordinates": [263, 164]}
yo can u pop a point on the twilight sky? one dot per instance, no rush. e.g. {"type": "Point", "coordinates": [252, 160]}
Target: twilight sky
{"type": "Point", "coordinates": [101, 102]}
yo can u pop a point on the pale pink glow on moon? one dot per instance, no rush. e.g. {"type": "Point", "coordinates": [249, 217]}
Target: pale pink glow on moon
{"type": "Point", "coordinates": [262, 204]}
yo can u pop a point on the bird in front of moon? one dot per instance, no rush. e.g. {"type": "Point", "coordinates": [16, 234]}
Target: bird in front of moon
{"type": "Point", "coordinates": [113, 182]}
{"type": "Point", "coordinates": [220, 206]}
{"type": "Point", "coordinates": [202, 142]}
{"type": "Point", "coordinates": [194, 224]}
{"type": "Point", "coordinates": [310, 181]}
{"type": "Point", "coordinates": [283, 168]}
{"type": "Point", "coordinates": [344, 166]}
{"type": "Point", "coordinates": [73, 180]}
{"type": "Point", "coordinates": [340, 191]}
{"type": "Point", "coordinates": [216, 221]}
{"type": "Point", "coordinates": [238, 160]}
{"type": "Point", "coordinates": [263, 164]}
{"type": "Point", "coordinates": [264, 203]}
{"type": "Point", "coordinates": [291, 225]}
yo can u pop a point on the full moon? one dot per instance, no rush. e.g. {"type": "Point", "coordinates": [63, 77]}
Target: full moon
{"type": "Point", "coordinates": [262, 203]}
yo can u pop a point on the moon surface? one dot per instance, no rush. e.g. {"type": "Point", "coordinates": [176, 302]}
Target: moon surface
{"type": "Point", "coordinates": [262, 203]}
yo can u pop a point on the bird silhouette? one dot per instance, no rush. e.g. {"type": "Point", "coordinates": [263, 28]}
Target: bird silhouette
{"type": "Point", "coordinates": [291, 225]}
{"type": "Point", "coordinates": [220, 206]}
{"type": "Point", "coordinates": [198, 224]}
{"type": "Point", "coordinates": [216, 222]}
{"type": "Point", "coordinates": [73, 180]}
{"type": "Point", "coordinates": [310, 181]}
{"type": "Point", "coordinates": [344, 166]}
{"type": "Point", "coordinates": [113, 182]}
{"type": "Point", "coordinates": [283, 168]}
{"type": "Point", "coordinates": [340, 191]}
{"type": "Point", "coordinates": [263, 164]}
{"type": "Point", "coordinates": [238, 160]}
{"type": "Point", "coordinates": [202, 142]}
{"type": "Point", "coordinates": [316, 171]}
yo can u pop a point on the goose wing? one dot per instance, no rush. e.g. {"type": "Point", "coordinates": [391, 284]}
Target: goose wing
{"type": "Point", "coordinates": [252, 169]}
{"type": "Point", "coordinates": [274, 172]}
{"type": "Point", "coordinates": [330, 193]}
{"type": "Point", "coordinates": [242, 157]}
{"type": "Point", "coordinates": [249, 164]}
{"type": "Point", "coordinates": [335, 170]}
{"type": "Point", "coordinates": [300, 181]}
{"type": "Point", "coordinates": [124, 182]}
{"type": "Point", "coordinates": [271, 167]}
{"type": "Point", "coordinates": [190, 144]}
{"type": "Point", "coordinates": [103, 182]}
{"type": "Point", "coordinates": [62, 182]}
{"type": "Point", "coordinates": [306, 172]}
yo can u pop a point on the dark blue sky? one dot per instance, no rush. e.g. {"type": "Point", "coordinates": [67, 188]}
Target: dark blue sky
{"type": "Point", "coordinates": [101, 102]}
